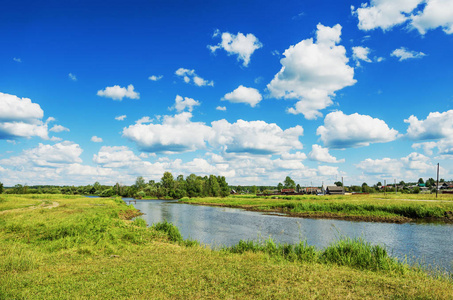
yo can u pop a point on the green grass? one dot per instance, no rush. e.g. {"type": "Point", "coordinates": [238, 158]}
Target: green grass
{"type": "Point", "coordinates": [397, 208]}
{"type": "Point", "coordinates": [90, 248]}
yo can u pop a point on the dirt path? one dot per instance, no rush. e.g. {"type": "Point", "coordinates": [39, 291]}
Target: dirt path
{"type": "Point", "coordinates": [42, 205]}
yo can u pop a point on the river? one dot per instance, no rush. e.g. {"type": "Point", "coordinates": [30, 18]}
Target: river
{"type": "Point", "coordinates": [429, 244]}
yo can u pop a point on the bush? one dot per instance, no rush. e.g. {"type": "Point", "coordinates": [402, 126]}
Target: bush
{"type": "Point", "coordinates": [171, 230]}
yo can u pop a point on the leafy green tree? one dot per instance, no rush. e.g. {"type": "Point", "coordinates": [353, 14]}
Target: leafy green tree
{"type": "Point", "coordinates": [167, 183]}
{"type": "Point", "coordinates": [298, 188]}
{"type": "Point", "coordinates": [280, 186]}
{"type": "Point", "coordinates": [379, 183]}
{"type": "Point", "coordinates": [224, 190]}
{"type": "Point", "coordinates": [140, 183]}
{"type": "Point", "coordinates": [1, 188]}
{"type": "Point", "coordinates": [430, 182]}
{"type": "Point", "coordinates": [420, 181]}
{"type": "Point", "coordinates": [289, 183]}
{"type": "Point", "coordinates": [213, 186]}
{"type": "Point", "coordinates": [338, 183]}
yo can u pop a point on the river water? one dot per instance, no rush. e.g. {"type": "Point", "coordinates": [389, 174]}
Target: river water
{"type": "Point", "coordinates": [428, 244]}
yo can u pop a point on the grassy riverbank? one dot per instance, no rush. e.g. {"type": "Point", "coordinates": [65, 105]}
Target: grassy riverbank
{"type": "Point", "coordinates": [377, 208]}
{"type": "Point", "coordinates": [54, 247]}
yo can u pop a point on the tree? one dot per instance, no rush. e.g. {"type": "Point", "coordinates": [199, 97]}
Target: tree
{"type": "Point", "coordinates": [280, 186]}
{"type": "Point", "coordinates": [167, 182]}
{"type": "Point", "coordinates": [1, 188]}
{"type": "Point", "coordinates": [430, 182]}
{"type": "Point", "coordinates": [420, 181]}
{"type": "Point", "coordinates": [298, 188]}
{"type": "Point", "coordinates": [289, 183]}
{"type": "Point", "coordinates": [140, 183]}
{"type": "Point", "coordinates": [338, 183]}
{"type": "Point", "coordinates": [379, 183]}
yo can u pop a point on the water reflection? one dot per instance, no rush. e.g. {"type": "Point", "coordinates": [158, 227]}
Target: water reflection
{"type": "Point", "coordinates": [218, 226]}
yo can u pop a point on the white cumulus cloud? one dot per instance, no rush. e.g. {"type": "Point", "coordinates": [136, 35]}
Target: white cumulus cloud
{"type": "Point", "coordinates": [96, 139]}
{"type": "Point", "coordinates": [190, 75]}
{"type": "Point", "coordinates": [120, 118]}
{"type": "Point", "coordinates": [20, 117]}
{"type": "Point", "coordinates": [244, 94]}
{"type": "Point", "coordinates": [312, 72]}
{"type": "Point", "coordinates": [360, 53]}
{"type": "Point", "coordinates": [255, 137]}
{"type": "Point", "coordinates": [221, 108]}
{"type": "Point", "coordinates": [436, 126]}
{"type": "Point", "coordinates": [175, 134]}
{"type": "Point", "coordinates": [118, 93]}
{"type": "Point", "coordinates": [58, 128]}
{"type": "Point", "coordinates": [422, 15]}
{"type": "Point", "coordinates": [155, 77]}
{"type": "Point", "coordinates": [321, 154]}
{"type": "Point", "coordinates": [184, 103]}
{"type": "Point", "coordinates": [345, 131]}
{"type": "Point", "coordinates": [241, 45]}
{"type": "Point", "coordinates": [403, 54]}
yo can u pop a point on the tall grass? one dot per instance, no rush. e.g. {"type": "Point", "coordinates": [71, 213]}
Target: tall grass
{"type": "Point", "coordinates": [355, 253]}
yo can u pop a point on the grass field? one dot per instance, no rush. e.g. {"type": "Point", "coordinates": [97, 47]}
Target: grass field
{"type": "Point", "coordinates": [373, 207]}
{"type": "Point", "coordinates": [87, 248]}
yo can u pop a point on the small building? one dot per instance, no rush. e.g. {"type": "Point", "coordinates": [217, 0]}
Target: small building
{"type": "Point", "coordinates": [288, 191]}
{"type": "Point", "coordinates": [334, 190]}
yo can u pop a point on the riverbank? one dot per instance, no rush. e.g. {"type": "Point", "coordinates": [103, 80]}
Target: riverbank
{"type": "Point", "coordinates": [87, 248]}
{"type": "Point", "coordinates": [369, 208]}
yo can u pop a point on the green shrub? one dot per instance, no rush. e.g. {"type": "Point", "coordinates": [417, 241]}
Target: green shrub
{"type": "Point", "coordinates": [171, 230]}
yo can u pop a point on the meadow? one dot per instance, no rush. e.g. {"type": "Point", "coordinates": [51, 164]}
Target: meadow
{"type": "Point", "coordinates": [55, 246]}
{"type": "Point", "coordinates": [370, 207]}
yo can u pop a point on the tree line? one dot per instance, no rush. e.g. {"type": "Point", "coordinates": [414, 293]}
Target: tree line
{"type": "Point", "coordinates": [168, 187]}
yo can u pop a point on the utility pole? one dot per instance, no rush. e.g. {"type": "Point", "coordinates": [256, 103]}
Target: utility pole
{"type": "Point", "coordinates": [342, 184]}
{"type": "Point", "coordinates": [437, 185]}
{"type": "Point", "coordinates": [385, 186]}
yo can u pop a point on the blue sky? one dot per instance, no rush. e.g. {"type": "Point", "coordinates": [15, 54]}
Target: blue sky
{"type": "Point", "coordinates": [251, 90]}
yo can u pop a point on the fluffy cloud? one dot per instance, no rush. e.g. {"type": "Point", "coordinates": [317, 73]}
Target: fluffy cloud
{"type": "Point", "coordinates": [437, 13]}
{"type": "Point", "coordinates": [120, 118]}
{"type": "Point", "coordinates": [244, 94]}
{"type": "Point", "coordinates": [436, 126]}
{"type": "Point", "coordinates": [328, 170]}
{"type": "Point", "coordinates": [321, 154]}
{"type": "Point", "coordinates": [155, 77]}
{"type": "Point", "coordinates": [360, 53]}
{"type": "Point", "coordinates": [190, 75]}
{"type": "Point", "coordinates": [241, 45]}
{"type": "Point", "coordinates": [47, 156]}
{"type": "Point", "coordinates": [313, 72]}
{"type": "Point", "coordinates": [115, 157]}
{"type": "Point", "coordinates": [221, 108]}
{"type": "Point", "coordinates": [403, 54]}
{"type": "Point", "coordinates": [16, 59]}
{"type": "Point", "coordinates": [412, 167]}
{"type": "Point", "coordinates": [118, 93]}
{"type": "Point", "coordinates": [184, 103]}
{"type": "Point", "coordinates": [175, 134]}
{"type": "Point", "coordinates": [386, 14]}
{"type": "Point", "coordinates": [255, 137]}
{"type": "Point", "coordinates": [180, 134]}
{"type": "Point", "coordinates": [58, 128]}
{"type": "Point", "coordinates": [96, 139]}
{"type": "Point", "coordinates": [345, 131]}
{"type": "Point", "coordinates": [19, 117]}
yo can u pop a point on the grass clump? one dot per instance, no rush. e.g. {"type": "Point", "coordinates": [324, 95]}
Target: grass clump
{"type": "Point", "coordinates": [359, 254]}
{"type": "Point", "coordinates": [171, 230]}
{"type": "Point", "coordinates": [354, 253]}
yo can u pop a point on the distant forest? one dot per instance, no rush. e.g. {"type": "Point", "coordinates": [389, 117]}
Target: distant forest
{"type": "Point", "coordinates": [170, 187]}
